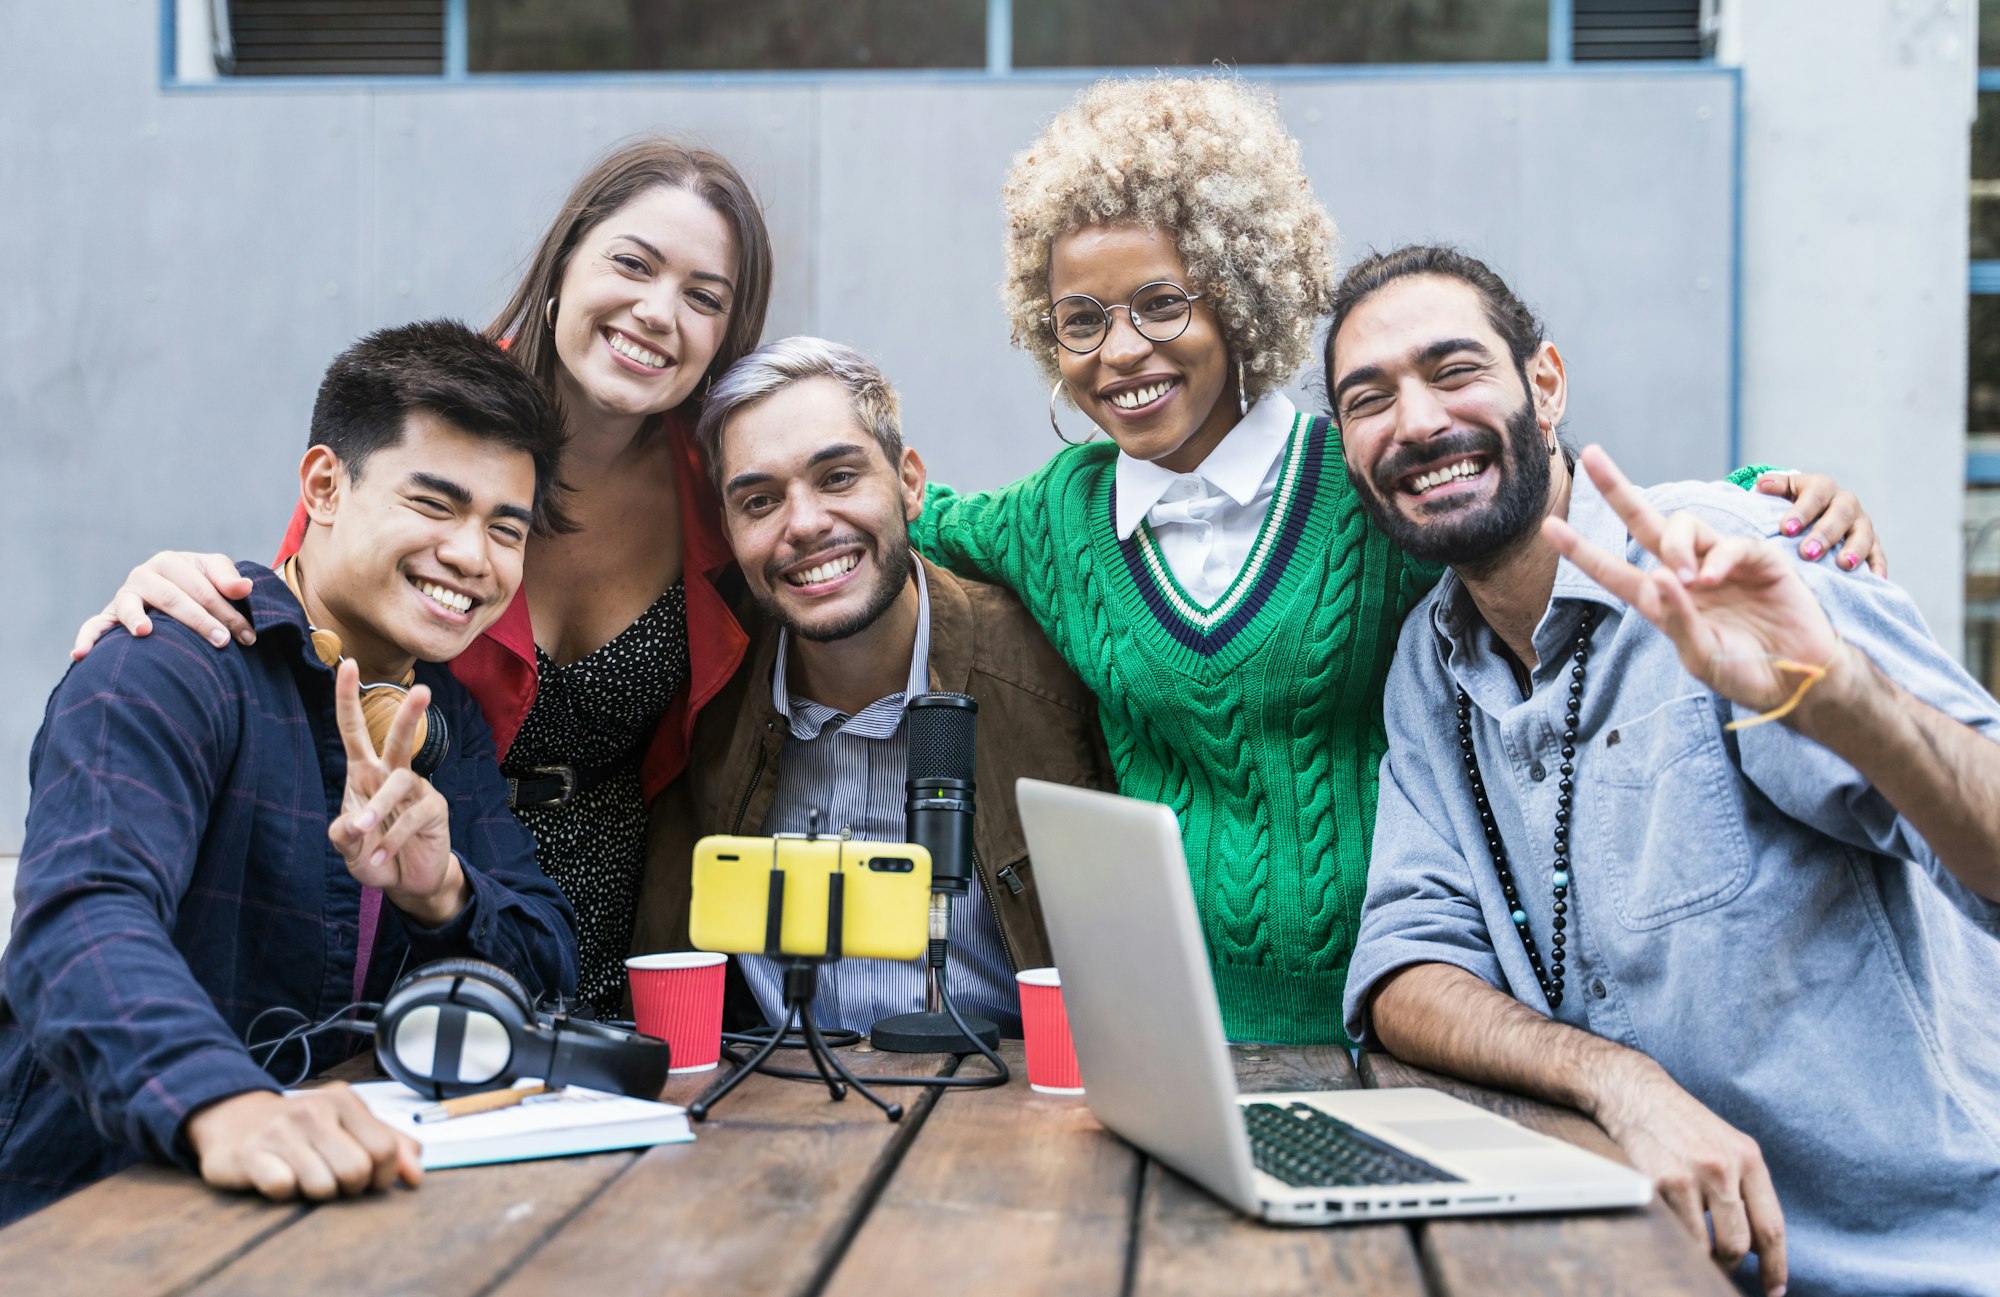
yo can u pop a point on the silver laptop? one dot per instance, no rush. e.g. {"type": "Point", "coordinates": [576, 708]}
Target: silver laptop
{"type": "Point", "coordinates": [1156, 1069]}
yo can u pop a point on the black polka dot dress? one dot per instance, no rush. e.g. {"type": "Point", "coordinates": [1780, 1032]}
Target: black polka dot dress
{"type": "Point", "coordinates": [600, 711]}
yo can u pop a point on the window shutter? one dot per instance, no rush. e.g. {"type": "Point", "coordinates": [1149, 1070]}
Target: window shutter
{"type": "Point", "coordinates": [308, 38]}
{"type": "Point", "coordinates": [1638, 29]}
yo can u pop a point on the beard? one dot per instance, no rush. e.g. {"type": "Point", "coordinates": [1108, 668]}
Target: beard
{"type": "Point", "coordinates": [894, 560]}
{"type": "Point", "coordinates": [1464, 533]}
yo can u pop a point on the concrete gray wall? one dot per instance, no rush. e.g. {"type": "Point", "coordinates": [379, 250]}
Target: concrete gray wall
{"type": "Point", "coordinates": [1856, 163]}
{"type": "Point", "coordinates": [179, 265]}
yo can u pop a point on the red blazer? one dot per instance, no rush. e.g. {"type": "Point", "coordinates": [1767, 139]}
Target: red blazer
{"type": "Point", "coordinates": [499, 667]}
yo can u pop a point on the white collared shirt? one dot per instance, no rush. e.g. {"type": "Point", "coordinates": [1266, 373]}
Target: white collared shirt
{"type": "Point", "coordinates": [1206, 522]}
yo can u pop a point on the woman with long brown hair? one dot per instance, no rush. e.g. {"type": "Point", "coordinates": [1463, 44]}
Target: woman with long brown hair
{"type": "Point", "coordinates": [651, 281]}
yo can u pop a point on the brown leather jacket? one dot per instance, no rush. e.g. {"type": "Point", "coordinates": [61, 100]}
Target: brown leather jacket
{"type": "Point", "coordinates": [1035, 718]}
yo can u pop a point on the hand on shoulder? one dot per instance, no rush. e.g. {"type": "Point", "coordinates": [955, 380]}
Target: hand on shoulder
{"type": "Point", "coordinates": [193, 589]}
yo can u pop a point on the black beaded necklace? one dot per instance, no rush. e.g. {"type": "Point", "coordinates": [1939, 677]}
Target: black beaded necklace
{"type": "Point", "coordinates": [1552, 981]}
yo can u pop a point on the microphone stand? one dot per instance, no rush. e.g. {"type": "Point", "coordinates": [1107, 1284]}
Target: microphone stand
{"type": "Point", "coordinates": [939, 1029]}
{"type": "Point", "coordinates": [941, 729]}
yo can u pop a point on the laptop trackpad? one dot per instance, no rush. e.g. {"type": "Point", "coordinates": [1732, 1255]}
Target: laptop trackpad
{"type": "Point", "coordinates": [1465, 1134]}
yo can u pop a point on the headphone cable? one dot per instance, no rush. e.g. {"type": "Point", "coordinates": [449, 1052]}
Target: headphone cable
{"type": "Point", "coordinates": [302, 1033]}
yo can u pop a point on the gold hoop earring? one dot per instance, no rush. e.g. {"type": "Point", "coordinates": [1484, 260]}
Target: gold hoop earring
{"type": "Point", "coordinates": [1242, 392]}
{"type": "Point", "coordinates": [1053, 393]}
{"type": "Point", "coordinates": [549, 314]}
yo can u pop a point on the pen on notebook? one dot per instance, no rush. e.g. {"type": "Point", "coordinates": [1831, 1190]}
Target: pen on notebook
{"type": "Point", "coordinates": [471, 1103]}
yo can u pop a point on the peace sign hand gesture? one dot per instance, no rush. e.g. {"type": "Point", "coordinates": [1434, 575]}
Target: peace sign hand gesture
{"type": "Point", "coordinates": [1734, 606]}
{"type": "Point", "coordinates": [394, 830]}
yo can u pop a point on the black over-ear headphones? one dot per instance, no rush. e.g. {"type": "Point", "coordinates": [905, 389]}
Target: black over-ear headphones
{"type": "Point", "coordinates": [437, 742]}
{"type": "Point", "coordinates": [458, 1026]}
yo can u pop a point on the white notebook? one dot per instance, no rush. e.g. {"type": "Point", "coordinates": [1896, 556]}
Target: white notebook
{"type": "Point", "coordinates": [559, 1124]}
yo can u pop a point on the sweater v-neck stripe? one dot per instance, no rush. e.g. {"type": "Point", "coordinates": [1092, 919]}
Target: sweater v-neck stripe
{"type": "Point", "coordinates": [1262, 731]}
{"type": "Point", "coordinates": [1209, 631]}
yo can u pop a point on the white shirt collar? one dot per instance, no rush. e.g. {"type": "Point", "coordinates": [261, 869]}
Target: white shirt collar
{"type": "Point", "coordinates": [1236, 467]}
{"type": "Point", "coordinates": [920, 653]}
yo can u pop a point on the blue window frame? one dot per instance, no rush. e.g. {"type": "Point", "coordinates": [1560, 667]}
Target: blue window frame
{"type": "Point", "coordinates": [1982, 468]}
{"type": "Point", "coordinates": [999, 57]}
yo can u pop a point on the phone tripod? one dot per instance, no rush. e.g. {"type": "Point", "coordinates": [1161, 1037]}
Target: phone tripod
{"type": "Point", "coordinates": [801, 980]}
{"type": "Point", "coordinates": [798, 1028]}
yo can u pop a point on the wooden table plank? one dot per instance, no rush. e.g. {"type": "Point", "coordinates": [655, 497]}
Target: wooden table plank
{"type": "Point", "coordinates": [453, 1237]}
{"type": "Point", "coordinates": [785, 1192]}
{"type": "Point", "coordinates": [149, 1230]}
{"type": "Point", "coordinates": [145, 1232]}
{"type": "Point", "coordinates": [1191, 1243]}
{"type": "Point", "coordinates": [763, 1201]}
{"type": "Point", "coordinates": [1008, 1191]}
{"type": "Point", "coordinates": [458, 1233]}
{"type": "Point", "coordinates": [1603, 1253]}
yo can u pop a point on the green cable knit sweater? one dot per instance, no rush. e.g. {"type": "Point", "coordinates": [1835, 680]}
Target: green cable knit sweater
{"type": "Point", "coordinates": [1258, 719]}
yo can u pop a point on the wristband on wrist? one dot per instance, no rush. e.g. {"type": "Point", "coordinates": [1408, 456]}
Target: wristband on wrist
{"type": "Point", "coordinates": [1811, 675]}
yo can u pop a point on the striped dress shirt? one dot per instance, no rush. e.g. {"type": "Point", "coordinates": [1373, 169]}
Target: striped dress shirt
{"type": "Point", "coordinates": [853, 769]}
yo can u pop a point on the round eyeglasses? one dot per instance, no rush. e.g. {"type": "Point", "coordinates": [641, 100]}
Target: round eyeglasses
{"type": "Point", "coordinates": [1159, 311]}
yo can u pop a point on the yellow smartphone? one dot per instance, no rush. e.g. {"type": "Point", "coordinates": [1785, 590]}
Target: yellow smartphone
{"type": "Point", "coordinates": [885, 892]}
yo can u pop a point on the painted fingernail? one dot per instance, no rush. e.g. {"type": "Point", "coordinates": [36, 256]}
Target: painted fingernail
{"type": "Point", "coordinates": [1793, 526]}
{"type": "Point", "coordinates": [1812, 549]}
{"type": "Point", "coordinates": [219, 637]}
{"type": "Point", "coordinates": [1848, 561]}
{"type": "Point", "coordinates": [365, 821]}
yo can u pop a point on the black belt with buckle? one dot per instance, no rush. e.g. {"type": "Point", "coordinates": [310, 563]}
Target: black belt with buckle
{"type": "Point", "coordinates": [545, 787]}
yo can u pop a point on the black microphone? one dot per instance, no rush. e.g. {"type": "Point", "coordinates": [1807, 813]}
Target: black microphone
{"type": "Point", "coordinates": [941, 729]}
{"type": "Point", "coordinates": [940, 787]}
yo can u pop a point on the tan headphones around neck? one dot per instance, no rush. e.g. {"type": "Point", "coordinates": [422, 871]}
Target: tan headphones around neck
{"type": "Point", "coordinates": [379, 701]}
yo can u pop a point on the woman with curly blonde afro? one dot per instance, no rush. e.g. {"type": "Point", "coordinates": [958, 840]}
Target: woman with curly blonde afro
{"type": "Point", "coordinates": [1209, 572]}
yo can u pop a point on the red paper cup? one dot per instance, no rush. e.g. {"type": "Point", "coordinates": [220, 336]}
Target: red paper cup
{"type": "Point", "coordinates": [678, 997]}
{"type": "Point", "coordinates": [1051, 1056]}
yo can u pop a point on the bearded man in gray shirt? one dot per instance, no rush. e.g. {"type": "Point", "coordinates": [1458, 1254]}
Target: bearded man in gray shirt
{"type": "Point", "coordinates": [1674, 827]}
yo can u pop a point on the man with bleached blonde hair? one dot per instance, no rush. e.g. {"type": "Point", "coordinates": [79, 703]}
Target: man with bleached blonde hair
{"type": "Point", "coordinates": [847, 623]}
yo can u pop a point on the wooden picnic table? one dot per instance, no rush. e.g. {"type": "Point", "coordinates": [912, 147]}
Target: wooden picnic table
{"type": "Point", "coordinates": [783, 1192]}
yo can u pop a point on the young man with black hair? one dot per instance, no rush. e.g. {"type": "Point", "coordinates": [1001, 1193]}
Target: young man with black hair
{"type": "Point", "coordinates": [1676, 826]}
{"type": "Point", "coordinates": [214, 835]}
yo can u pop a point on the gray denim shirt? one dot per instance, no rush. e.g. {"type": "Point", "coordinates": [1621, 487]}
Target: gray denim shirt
{"type": "Point", "coordinates": [1744, 907]}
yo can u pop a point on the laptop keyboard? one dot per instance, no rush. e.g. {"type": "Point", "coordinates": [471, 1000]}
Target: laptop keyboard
{"type": "Point", "coordinates": [1308, 1148]}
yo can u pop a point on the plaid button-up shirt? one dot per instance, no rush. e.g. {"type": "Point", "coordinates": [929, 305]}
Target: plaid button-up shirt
{"type": "Point", "coordinates": [176, 880]}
